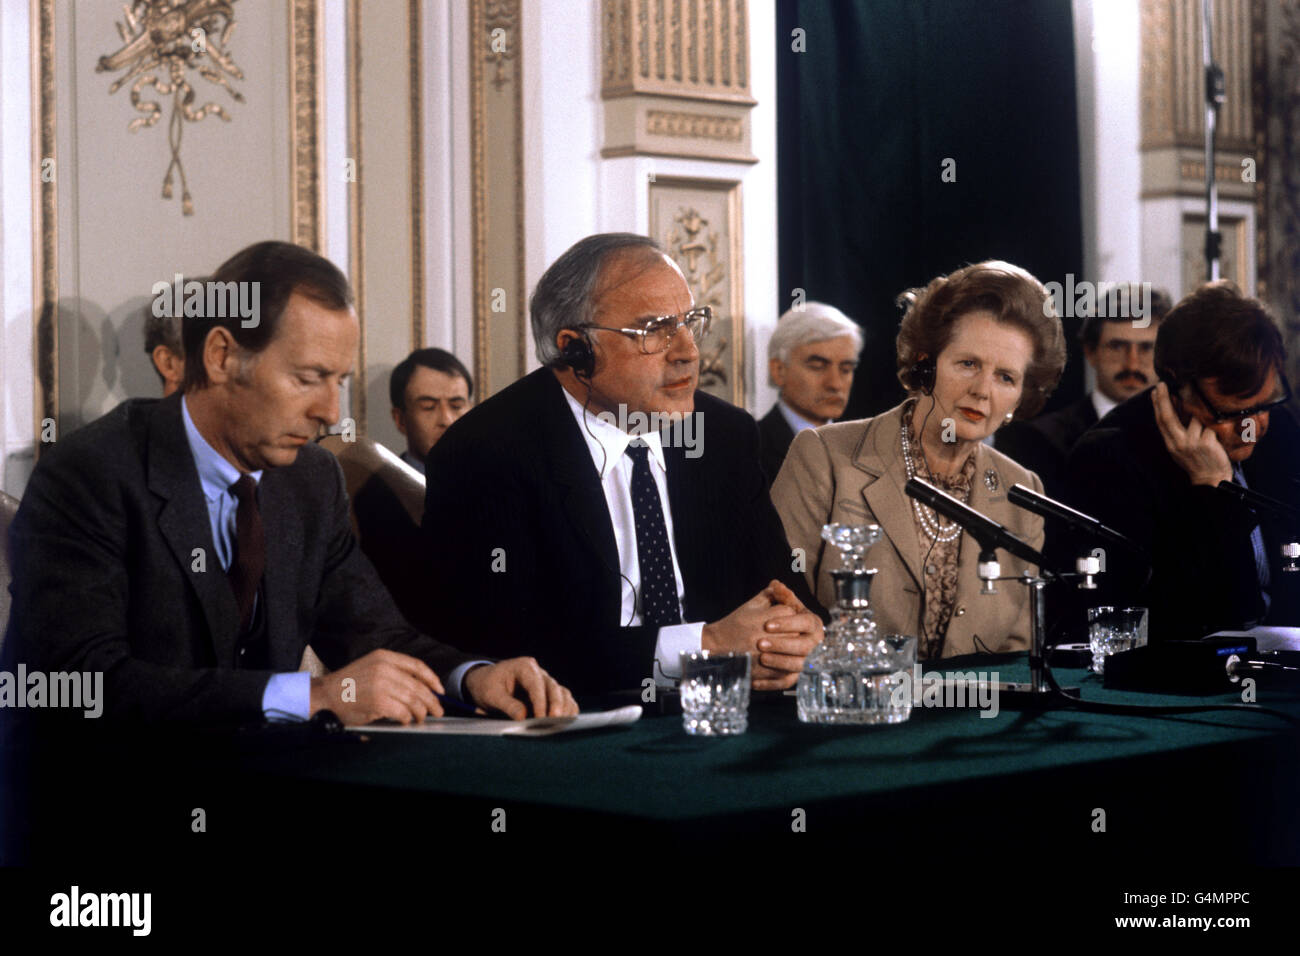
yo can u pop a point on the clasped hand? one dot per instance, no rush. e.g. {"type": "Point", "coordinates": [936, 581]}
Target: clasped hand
{"type": "Point", "coordinates": [775, 628]}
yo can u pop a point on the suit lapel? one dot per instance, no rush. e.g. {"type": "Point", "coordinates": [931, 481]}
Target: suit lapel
{"type": "Point", "coordinates": [570, 465]}
{"type": "Point", "coordinates": [880, 454]}
{"type": "Point", "coordinates": [184, 524]}
{"type": "Point", "coordinates": [685, 503]}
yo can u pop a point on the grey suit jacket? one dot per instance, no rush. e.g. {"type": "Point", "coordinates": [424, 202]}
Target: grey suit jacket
{"type": "Point", "coordinates": [116, 572]}
{"type": "Point", "coordinates": [853, 472]}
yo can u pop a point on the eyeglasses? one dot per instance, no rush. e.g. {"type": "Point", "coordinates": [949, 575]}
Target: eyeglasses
{"type": "Point", "coordinates": [1241, 416]}
{"type": "Point", "coordinates": [657, 334]}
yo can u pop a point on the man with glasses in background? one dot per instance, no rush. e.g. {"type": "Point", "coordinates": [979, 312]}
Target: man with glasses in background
{"type": "Point", "coordinates": [564, 523]}
{"type": "Point", "coordinates": [1152, 468]}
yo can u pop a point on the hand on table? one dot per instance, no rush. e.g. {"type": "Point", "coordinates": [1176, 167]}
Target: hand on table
{"type": "Point", "coordinates": [518, 688]}
{"type": "Point", "coordinates": [385, 684]}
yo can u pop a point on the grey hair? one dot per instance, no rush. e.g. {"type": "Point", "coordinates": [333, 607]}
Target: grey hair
{"type": "Point", "coordinates": [812, 322]}
{"type": "Point", "coordinates": [564, 296]}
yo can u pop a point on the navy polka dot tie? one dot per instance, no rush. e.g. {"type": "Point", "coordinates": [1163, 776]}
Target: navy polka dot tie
{"type": "Point", "coordinates": [654, 554]}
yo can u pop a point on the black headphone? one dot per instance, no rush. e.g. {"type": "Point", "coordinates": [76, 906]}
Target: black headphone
{"type": "Point", "coordinates": [923, 373]}
{"type": "Point", "coordinates": [578, 355]}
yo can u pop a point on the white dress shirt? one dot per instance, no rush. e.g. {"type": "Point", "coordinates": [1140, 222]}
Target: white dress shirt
{"type": "Point", "coordinates": [607, 444]}
{"type": "Point", "coordinates": [1102, 404]}
{"type": "Point", "coordinates": [792, 418]}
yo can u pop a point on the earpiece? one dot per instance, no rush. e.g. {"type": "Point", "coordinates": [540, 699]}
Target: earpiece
{"type": "Point", "coordinates": [923, 374]}
{"type": "Point", "coordinates": [578, 355]}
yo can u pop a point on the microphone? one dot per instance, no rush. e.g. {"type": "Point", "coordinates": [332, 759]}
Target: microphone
{"type": "Point", "coordinates": [1047, 507]}
{"type": "Point", "coordinates": [986, 531]}
{"type": "Point", "coordinates": [1281, 512]}
{"type": "Point", "coordinates": [1278, 510]}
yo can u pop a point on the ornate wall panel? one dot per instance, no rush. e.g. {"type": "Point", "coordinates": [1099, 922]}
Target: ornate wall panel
{"type": "Point", "coordinates": [675, 78]}
{"type": "Point", "coordinates": [386, 199]}
{"type": "Point", "coordinates": [497, 171]}
{"type": "Point", "coordinates": [699, 223]}
{"type": "Point", "coordinates": [105, 232]}
{"type": "Point", "coordinates": [1173, 98]}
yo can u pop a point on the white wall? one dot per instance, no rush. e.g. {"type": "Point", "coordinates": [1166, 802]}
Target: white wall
{"type": "Point", "coordinates": [1107, 73]}
{"type": "Point", "coordinates": [17, 390]}
{"type": "Point", "coordinates": [1107, 66]}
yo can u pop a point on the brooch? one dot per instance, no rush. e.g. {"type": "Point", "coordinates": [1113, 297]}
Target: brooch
{"type": "Point", "coordinates": [991, 480]}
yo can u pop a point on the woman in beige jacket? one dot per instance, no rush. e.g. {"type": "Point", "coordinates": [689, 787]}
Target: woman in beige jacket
{"type": "Point", "coordinates": [975, 349]}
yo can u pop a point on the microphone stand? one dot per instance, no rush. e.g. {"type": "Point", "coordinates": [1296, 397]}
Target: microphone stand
{"type": "Point", "coordinates": [1214, 98]}
{"type": "Point", "coordinates": [1039, 693]}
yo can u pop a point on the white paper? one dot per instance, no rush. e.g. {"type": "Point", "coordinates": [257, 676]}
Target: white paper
{"type": "Point", "coordinates": [497, 727]}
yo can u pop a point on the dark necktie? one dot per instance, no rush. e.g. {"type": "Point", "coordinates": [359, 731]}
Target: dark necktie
{"type": "Point", "coordinates": [1257, 545]}
{"type": "Point", "coordinates": [245, 574]}
{"type": "Point", "coordinates": [659, 605]}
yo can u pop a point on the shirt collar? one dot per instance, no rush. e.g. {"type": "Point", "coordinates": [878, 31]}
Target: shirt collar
{"type": "Point", "coordinates": [1101, 403]}
{"type": "Point", "coordinates": [411, 460]}
{"type": "Point", "coordinates": [216, 475]}
{"type": "Point", "coordinates": [607, 442]}
{"type": "Point", "coordinates": [796, 421]}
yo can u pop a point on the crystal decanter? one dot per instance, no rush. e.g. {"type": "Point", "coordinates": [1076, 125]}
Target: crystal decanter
{"type": "Point", "coordinates": [849, 677]}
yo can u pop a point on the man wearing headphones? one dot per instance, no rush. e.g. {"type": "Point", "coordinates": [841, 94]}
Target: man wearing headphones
{"type": "Point", "coordinates": [1151, 470]}
{"type": "Point", "coordinates": [561, 520]}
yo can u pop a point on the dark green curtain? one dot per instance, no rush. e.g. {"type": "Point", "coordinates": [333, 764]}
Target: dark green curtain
{"type": "Point", "coordinates": [883, 92]}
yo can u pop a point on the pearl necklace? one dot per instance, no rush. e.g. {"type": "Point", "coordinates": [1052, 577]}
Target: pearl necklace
{"type": "Point", "coordinates": [933, 529]}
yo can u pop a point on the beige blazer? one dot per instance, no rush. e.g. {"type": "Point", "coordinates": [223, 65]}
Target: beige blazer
{"type": "Point", "coordinates": [853, 473]}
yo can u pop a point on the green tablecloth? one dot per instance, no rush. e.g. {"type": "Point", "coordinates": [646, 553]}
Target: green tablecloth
{"type": "Point", "coordinates": [942, 772]}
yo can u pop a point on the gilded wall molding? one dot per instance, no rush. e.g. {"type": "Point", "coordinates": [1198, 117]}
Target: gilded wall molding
{"type": "Point", "coordinates": [45, 233]}
{"type": "Point", "coordinates": [1173, 89]}
{"type": "Point", "coordinates": [414, 51]}
{"type": "Point", "coordinates": [356, 208]}
{"type": "Point", "coordinates": [1259, 99]}
{"type": "Point", "coordinates": [306, 138]}
{"type": "Point", "coordinates": [694, 125]}
{"type": "Point", "coordinates": [675, 78]}
{"type": "Point", "coordinates": [497, 193]}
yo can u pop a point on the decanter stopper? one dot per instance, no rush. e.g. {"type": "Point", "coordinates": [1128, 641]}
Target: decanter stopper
{"type": "Point", "coordinates": [853, 580]}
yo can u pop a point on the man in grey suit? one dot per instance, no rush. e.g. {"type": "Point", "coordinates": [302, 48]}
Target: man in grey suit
{"type": "Point", "coordinates": [190, 548]}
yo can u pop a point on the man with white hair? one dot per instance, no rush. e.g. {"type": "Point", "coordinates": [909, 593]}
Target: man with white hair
{"type": "Point", "coordinates": [811, 358]}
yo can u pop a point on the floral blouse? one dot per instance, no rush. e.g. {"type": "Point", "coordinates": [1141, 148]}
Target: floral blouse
{"type": "Point", "coordinates": [939, 558]}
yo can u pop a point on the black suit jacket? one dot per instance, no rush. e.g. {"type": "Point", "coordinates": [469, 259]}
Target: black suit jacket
{"type": "Point", "coordinates": [108, 578]}
{"type": "Point", "coordinates": [1043, 444]}
{"type": "Point", "coordinates": [523, 544]}
{"type": "Point", "coordinates": [774, 438]}
{"type": "Point", "coordinates": [1203, 574]}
